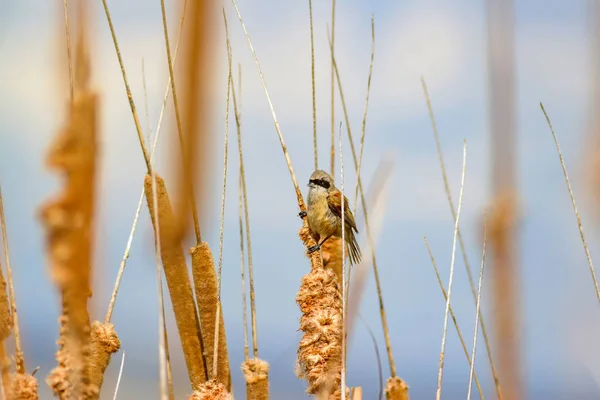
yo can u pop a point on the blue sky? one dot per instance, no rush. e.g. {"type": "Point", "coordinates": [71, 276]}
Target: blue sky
{"type": "Point", "coordinates": [443, 41]}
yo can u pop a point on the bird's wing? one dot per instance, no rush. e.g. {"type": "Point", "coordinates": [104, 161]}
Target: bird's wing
{"type": "Point", "coordinates": [334, 200]}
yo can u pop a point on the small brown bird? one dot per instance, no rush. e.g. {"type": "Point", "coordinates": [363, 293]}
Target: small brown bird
{"type": "Point", "coordinates": [324, 214]}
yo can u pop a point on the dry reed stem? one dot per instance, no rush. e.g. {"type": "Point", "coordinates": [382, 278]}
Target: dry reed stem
{"type": "Point", "coordinates": [378, 200]}
{"type": "Point", "coordinates": [119, 377]}
{"type": "Point", "coordinates": [364, 121]}
{"type": "Point", "coordinates": [450, 281]}
{"type": "Point", "coordinates": [167, 355]}
{"type": "Point", "coordinates": [68, 220]}
{"type": "Point", "coordinates": [113, 298]}
{"type": "Point", "coordinates": [6, 324]}
{"type": "Point", "coordinates": [502, 222]}
{"type": "Point", "coordinates": [320, 302]}
{"type": "Point", "coordinates": [396, 389]}
{"type": "Point", "coordinates": [68, 40]}
{"type": "Point", "coordinates": [136, 119]}
{"type": "Point", "coordinates": [104, 342]}
{"type": "Point", "coordinates": [256, 374]}
{"type": "Point", "coordinates": [191, 191]}
{"type": "Point", "coordinates": [314, 99]}
{"type": "Point", "coordinates": [301, 205]}
{"type": "Point", "coordinates": [19, 359]}
{"type": "Point", "coordinates": [453, 316]}
{"type": "Point", "coordinates": [166, 380]}
{"type": "Point", "coordinates": [572, 196]}
{"type": "Point", "coordinates": [243, 275]}
{"type": "Point", "coordinates": [344, 273]}
{"type": "Point", "coordinates": [377, 355]}
{"type": "Point", "coordinates": [319, 296]}
{"type": "Point", "coordinates": [24, 387]}
{"type": "Point", "coordinates": [219, 327]}
{"type": "Point", "coordinates": [245, 198]}
{"type": "Point", "coordinates": [162, 329]}
{"type": "Point", "coordinates": [477, 310]}
{"type": "Point", "coordinates": [386, 332]}
{"type": "Point", "coordinates": [5, 367]}
{"type": "Point", "coordinates": [211, 390]}
{"type": "Point", "coordinates": [207, 296]}
{"type": "Point", "coordinates": [460, 238]}
{"type": "Point", "coordinates": [178, 281]}
{"type": "Point", "coordinates": [501, 60]}
{"type": "Point", "coordinates": [332, 162]}
{"type": "Point", "coordinates": [195, 116]}
{"type": "Point", "coordinates": [356, 393]}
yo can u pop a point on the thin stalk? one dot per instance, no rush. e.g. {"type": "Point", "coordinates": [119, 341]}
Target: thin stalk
{"type": "Point", "coordinates": [288, 160]}
{"type": "Point", "coordinates": [19, 359]}
{"type": "Point", "coordinates": [454, 320]}
{"type": "Point", "coordinates": [364, 121]}
{"type": "Point", "coordinates": [386, 332]}
{"type": "Point", "coordinates": [113, 297]}
{"type": "Point", "coordinates": [68, 37]}
{"type": "Point", "coordinates": [178, 119]}
{"type": "Point", "coordinates": [579, 224]}
{"type": "Point", "coordinates": [460, 238]}
{"type": "Point", "coordinates": [241, 218]}
{"type": "Point", "coordinates": [438, 393]}
{"type": "Point", "coordinates": [244, 305]}
{"type": "Point", "coordinates": [246, 213]}
{"type": "Point", "coordinates": [222, 217]}
{"type": "Point", "coordinates": [332, 89]}
{"type": "Point", "coordinates": [161, 304]}
{"type": "Point", "coordinates": [314, 100]}
{"type": "Point", "coordinates": [344, 273]}
{"type": "Point", "coordinates": [477, 310]}
{"type": "Point", "coordinates": [128, 90]}
{"type": "Point", "coordinates": [119, 376]}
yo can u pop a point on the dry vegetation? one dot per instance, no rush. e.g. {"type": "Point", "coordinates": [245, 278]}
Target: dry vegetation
{"type": "Point", "coordinates": [327, 298]}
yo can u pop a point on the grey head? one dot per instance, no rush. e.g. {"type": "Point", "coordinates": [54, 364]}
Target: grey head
{"type": "Point", "coordinates": [320, 180]}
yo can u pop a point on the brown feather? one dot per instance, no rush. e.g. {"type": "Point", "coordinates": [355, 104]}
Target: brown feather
{"type": "Point", "coordinates": [334, 201]}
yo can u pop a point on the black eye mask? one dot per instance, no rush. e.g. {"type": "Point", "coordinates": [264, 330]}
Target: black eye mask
{"type": "Point", "coordinates": [320, 182]}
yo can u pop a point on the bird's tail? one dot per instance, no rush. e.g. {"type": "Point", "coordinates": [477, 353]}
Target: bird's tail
{"type": "Point", "coordinates": [355, 254]}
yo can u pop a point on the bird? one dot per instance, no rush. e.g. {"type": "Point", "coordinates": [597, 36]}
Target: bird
{"type": "Point", "coordinates": [324, 214]}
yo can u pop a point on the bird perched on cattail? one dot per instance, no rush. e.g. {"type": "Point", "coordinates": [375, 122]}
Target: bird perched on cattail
{"type": "Point", "coordinates": [324, 214]}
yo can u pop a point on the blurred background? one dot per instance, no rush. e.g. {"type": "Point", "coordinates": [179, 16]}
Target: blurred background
{"type": "Point", "coordinates": [443, 41]}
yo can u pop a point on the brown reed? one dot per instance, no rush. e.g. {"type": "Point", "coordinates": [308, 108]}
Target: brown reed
{"type": "Point", "coordinates": [189, 183]}
{"type": "Point", "coordinates": [196, 75]}
{"type": "Point", "coordinates": [386, 333]}
{"type": "Point", "coordinates": [256, 374]}
{"type": "Point", "coordinates": [320, 302]}
{"type": "Point", "coordinates": [460, 238]}
{"type": "Point", "coordinates": [178, 282]}
{"type": "Point", "coordinates": [68, 220]}
{"type": "Point", "coordinates": [332, 149]}
{"type": "Point", "coordinates": [319, 296]}
{"type": "Point", "coordinates": [23, 387]}
{"type": "Point", "coordinates": [314, 100]}
{"type": "Point", "coordinates": [452, 315]}
{"type": "Point", "coordinates": [396, 389]}
{"type": "Point", "coordinates": [502, 99]}
{"type": "Point", "coordinates": [356, 393]}
{"type": "Point", "coordinates": [207, 296]}
{"type": "Point", "coordinates": [211, 390]}
{"type": "Point", "coordinates": [104, 342]}
{"type": "Point", "coordinates": [6, 323]}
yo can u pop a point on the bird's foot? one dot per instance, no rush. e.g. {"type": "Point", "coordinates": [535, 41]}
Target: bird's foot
{"type": "Point", "coordinates": [312, 249]}
{"type": "Point", "coordinates": [302, 214]}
